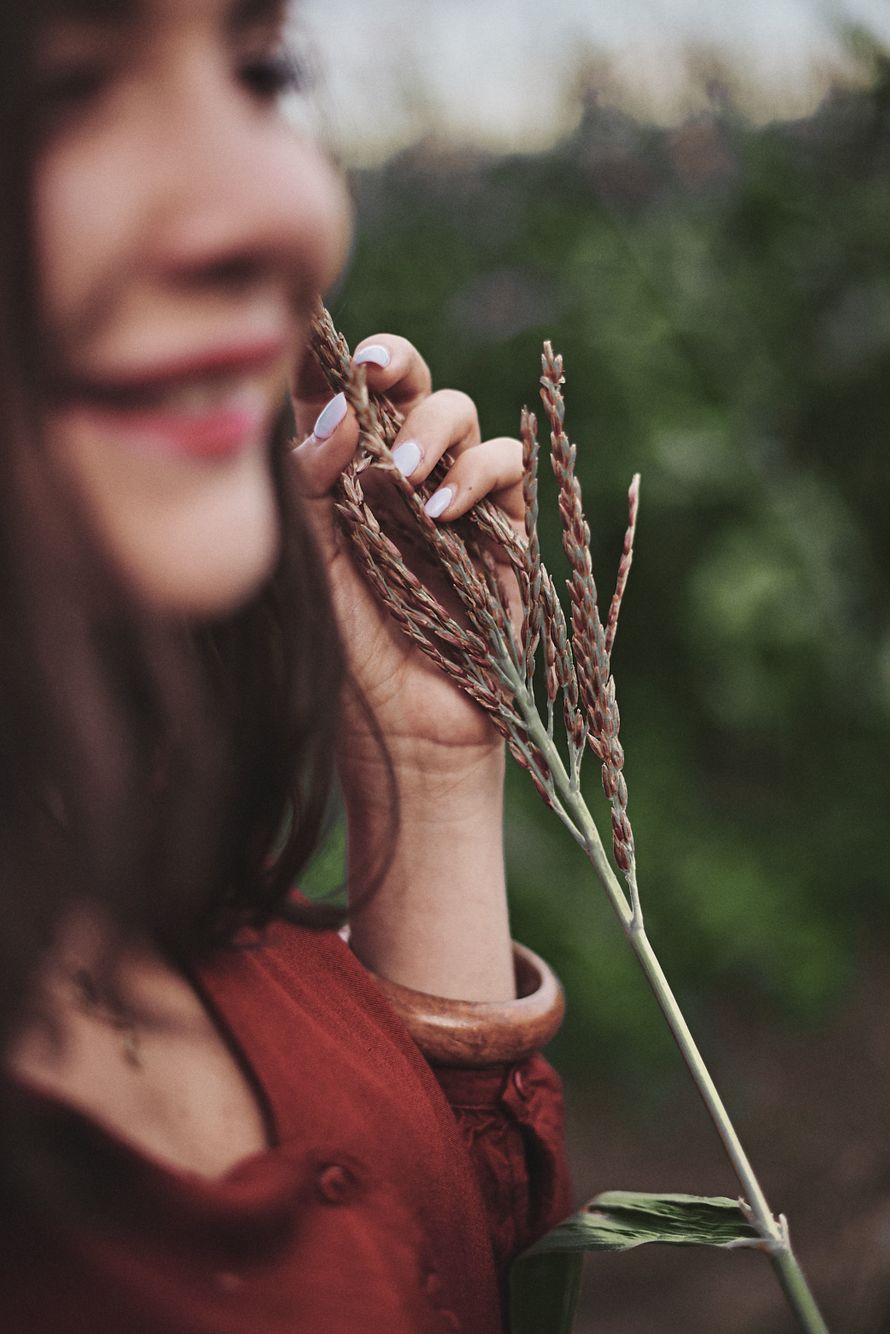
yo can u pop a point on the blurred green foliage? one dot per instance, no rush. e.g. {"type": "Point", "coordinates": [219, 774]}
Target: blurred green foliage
{"type": "Point", "coordinates": [721, 294]}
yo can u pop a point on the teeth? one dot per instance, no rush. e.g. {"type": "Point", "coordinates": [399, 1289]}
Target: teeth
{"type": "Point", "coordinates": [198, 397]}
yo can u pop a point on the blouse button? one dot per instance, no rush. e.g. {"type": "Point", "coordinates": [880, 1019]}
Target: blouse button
{"type": "Point", "coordinates": [228, 1282]}
{"type": "Point", "coordinates": [435, 1290]}
{"type": "Point", "coordinates": [336, 1184]}
{"type": "Point", "coordinates": [520, 1083]}
{"type": "Point", "coordinates": [433, 1285]}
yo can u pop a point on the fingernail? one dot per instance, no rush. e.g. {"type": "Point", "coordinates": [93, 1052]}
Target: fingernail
{"type": "Point", "coordinates": [438, 503]}
{"type": "Point", "coordinates": [406, 457]}
{"type": "Point", "coordinates": [330, 417]}
{"type": "Point", "coordinates": [375, 354]}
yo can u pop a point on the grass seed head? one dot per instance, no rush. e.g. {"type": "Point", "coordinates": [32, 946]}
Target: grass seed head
{"type": "Point", "coordinates": [481, 654]}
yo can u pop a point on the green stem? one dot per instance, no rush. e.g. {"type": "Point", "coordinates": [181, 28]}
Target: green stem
{"type": "Point", "coordinates": [667, 1001]}
{"type": "Point", "coordinates": [773, 1233]}
{"type": "Point", "coordinates": [797, 1291]}
{"type": "Point", "coordinates": [785, 1263]}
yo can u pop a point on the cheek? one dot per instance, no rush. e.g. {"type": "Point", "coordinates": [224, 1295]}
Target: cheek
{"type": "Point", "coordinates": [82, 215]}
{"type": "Point", "coordinates": [188, 538]}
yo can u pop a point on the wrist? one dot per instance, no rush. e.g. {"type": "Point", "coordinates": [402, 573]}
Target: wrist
{"type": "Point", "coordinates": [434, 784]}
{"type": "Point", "coordinates": [437, 917]}
{"type": "Point", "coordinates": [436, 840]}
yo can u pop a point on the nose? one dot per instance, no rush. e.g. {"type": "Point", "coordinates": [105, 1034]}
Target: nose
{"type": "Point", "coordinates": [244, 197]}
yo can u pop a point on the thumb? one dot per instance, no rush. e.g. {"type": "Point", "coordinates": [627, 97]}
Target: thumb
{"type": "Point", "coordinates": [328, 448]}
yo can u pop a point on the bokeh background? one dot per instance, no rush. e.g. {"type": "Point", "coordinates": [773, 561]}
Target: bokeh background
{"type": "Point", "coordinates": [693, 202]}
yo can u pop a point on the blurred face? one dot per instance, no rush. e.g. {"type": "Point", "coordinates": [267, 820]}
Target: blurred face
{"type": "Point", "coordinates": [182, 230]}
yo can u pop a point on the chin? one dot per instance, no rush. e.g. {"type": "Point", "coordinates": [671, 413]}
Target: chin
{"type": "Point", "coordinates": [196, 542]}
{"type": "Point", "coordinates": [220, 592]}
{"type": "Point", "coordinates": [211, 575]}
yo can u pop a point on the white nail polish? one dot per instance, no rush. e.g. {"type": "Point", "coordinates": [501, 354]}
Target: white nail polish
{"type": "Point", "coordinates": [330, 417]}
{"type": "Point", "coordinates": [406, 457]}
{"type": "Point", "coordinates": [438, 503]}
{"type": "Point", "coordinates": [374, 354]}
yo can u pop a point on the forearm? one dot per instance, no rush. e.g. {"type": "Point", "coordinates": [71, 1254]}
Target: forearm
{"type": "Point", "coordinates": [438, 921]}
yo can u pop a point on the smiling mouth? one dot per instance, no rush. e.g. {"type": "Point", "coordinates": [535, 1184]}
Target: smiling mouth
{"type": "Point", "coordinates": [210, 407]}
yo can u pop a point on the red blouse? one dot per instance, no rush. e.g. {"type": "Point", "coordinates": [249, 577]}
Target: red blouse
{"type": "Point", "coordinates": [380, 1208]}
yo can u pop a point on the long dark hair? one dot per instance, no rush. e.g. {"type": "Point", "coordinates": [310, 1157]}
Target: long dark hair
{"type": "Point", "coordinates": [175, 776]}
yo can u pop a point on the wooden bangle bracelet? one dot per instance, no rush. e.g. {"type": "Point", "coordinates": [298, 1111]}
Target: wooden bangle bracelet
{"type": "Point", "coordinates": [480, 1033]}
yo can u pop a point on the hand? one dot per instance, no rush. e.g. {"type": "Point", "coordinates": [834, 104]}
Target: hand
{"type": "Point", "coordinates": [428, 722]}
{"type": "Point", "coordinates": [438, 920]}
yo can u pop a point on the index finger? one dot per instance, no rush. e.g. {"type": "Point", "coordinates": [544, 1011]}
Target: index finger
{"type": "Point", "coordinates": [393, 366]}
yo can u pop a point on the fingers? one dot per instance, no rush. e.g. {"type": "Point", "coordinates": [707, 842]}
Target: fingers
{"type": "Point", "coordinates": [433, 424]}
{"type": "Point", "coordinates": [327, 449]}
{"type": "Point", "coordinates": [393, 367]}
{"type": "Point", "coordinates": [491, 468]}
{"type": "Point", "coordinates": [446, 420]}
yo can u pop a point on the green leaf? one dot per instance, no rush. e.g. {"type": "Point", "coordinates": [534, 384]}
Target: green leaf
{"type": "Point", "coordinates": [544, 1292]}
{"type": "Point", "coordinates": [544, 1282]}
{"type": "Point", "coordinates": [621, 1219]}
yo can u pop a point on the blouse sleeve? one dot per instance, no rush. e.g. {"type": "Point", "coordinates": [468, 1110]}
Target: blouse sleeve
{"type": "Point", "coordinates": [511, 1120]}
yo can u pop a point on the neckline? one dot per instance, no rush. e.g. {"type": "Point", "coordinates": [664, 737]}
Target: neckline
{"type": "Point", "coordinates": [149, 1162]}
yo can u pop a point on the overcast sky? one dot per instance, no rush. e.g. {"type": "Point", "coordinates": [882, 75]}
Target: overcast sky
{"type": "Point", "coordinates": [500, 72]}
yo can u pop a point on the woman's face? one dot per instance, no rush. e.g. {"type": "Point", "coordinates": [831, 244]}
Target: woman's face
{"type": "Point", "coordinates": [182, 230]}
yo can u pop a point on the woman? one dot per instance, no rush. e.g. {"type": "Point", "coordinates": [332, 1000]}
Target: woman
{"type": "Point", "coordinates": [213, 1117]}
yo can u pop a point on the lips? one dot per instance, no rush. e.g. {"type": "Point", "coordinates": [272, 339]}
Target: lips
{"type": "Point", "coordinates": [212, 404]}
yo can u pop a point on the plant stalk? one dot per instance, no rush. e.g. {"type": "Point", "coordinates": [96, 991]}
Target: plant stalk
{"type": "Point", "coordinates": [784, 1262]}
{"type": "Point", "coordinates": [797, 1290]}
{"type": "Point", "coordinates": [670, 1008]}
{"type": "Point", "coordinates": [773, 1233]}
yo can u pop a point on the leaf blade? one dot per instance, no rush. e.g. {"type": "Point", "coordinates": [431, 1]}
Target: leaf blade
{"type": "Point", "coordinates": [545, 1280]}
